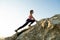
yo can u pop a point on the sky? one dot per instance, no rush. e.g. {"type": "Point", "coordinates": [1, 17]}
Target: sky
{"type": "Point", "coordinates": [13, 13]}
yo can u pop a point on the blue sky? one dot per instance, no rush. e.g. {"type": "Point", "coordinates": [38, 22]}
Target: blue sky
{"type": "Point", "coordinates": [13, 13]}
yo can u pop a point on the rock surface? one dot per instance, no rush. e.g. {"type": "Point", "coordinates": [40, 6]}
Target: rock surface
{"type": "Point", "coordinates": [45, 29]}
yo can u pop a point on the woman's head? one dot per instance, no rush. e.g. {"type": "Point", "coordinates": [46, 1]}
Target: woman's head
{"type": "Point", "coordinates": [31, 11]}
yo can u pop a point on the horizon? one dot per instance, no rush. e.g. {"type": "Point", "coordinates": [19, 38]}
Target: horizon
{"type": "Point", "coordinates": [13, 13]}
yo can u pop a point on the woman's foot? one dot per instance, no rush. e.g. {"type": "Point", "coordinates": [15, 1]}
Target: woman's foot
{"type": "Point", "coordinates": [29, 25]}
{"type": "Point", "coordinates": [16, 30]}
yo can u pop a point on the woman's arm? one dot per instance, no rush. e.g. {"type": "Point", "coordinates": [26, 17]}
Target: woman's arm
{"type": "Point", "coordinates": [33, 18]}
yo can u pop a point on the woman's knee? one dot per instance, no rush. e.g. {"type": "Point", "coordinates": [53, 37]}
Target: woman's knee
{"type": "Point", "coordinates": [33, 20]}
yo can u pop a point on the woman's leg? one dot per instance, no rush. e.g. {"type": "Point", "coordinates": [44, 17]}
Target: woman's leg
{"type": "Point", "coordinates": [32, 21]}
{"type": "Point", "coordinates": [23, 25]}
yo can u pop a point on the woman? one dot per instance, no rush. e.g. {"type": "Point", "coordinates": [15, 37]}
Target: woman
{"type": "Point", "coordinates": [29, 20]}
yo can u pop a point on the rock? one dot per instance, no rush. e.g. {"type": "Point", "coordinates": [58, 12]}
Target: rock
{"type": "Point", "coordinates": [1, 38]}
{"type": "Point", "coordinates": [45, 29]}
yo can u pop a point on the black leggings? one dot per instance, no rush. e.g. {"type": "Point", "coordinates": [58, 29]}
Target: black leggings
{"type": "Point", "coordinates": [27, 21]}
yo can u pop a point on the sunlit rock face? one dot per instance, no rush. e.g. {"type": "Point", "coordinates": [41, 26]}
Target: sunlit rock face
{"type": "Point", "coordinates": [1, 38]}
{"type": "Point", "coordinates": [45, 29]}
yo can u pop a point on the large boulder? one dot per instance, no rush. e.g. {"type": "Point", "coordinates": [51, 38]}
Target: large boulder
{"type": "Point", "coordinates": [45, 29]}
